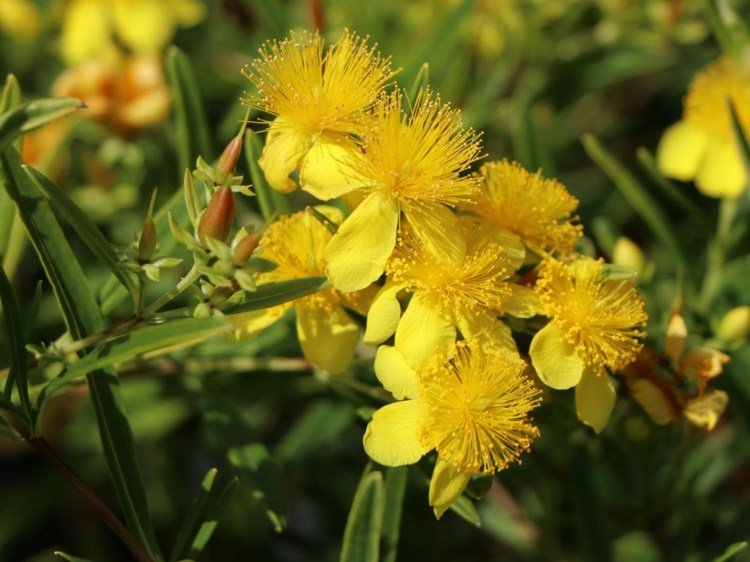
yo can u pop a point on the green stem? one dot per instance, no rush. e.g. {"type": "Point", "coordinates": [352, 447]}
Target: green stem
{"type": "Point", "coordinates": [717, 253]}
{"type": "Point", "coordinates": [185, 283]}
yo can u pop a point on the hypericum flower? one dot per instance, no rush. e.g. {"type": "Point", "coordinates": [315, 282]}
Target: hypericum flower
{"type": "Point", "coordinates": [596, 323]}
{"type": "Point", "coordinates": [449, 293]}
{"type": "Point", "coordinates": [318, 98]}
{"type": "Point", "coordinates": [702, 146]}
{"type": "Point", "coordinates": [90, 27]}
{"type": "Point", "coordinates": [327, 334]}
{"type": "Point", "coordinates": [473, 410]}
{"type": "Point", "coordinates": [408, 165]}
{"type": "Point", "coordinates": [536, 209]}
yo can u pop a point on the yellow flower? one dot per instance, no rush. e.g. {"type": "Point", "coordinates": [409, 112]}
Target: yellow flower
{"type": "Point", "coordinates": [449, 293]}
{"type": "Point", "coordinates": [20, 19]}
{"type": "Point", "coordinates": [326, 332]}
{"type": "Point", "coordinates": [90, 27]}
{"type": "Point", "coordinates": [408, 165]}
{"type": "Point", "coordinates": [538, 210]}
{"type": "Point", "coordinates": [473, 410]}
{"type": "Point", "coordinates": [702, 146]}
{"type": "Point", "coordinates": [596, 324]}
{"type": "Point", "coordinates": [318, 98]}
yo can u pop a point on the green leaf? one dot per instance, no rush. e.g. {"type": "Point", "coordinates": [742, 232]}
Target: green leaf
{"type": "Point", "coordinates": [85, 228]}
{"type": "Point", "coordinates": [70, 558]}
{"type": "Point", "coordinates": [193, 517]}
{"type": "Point", "coordinates": [395, 488]}
{"type": "Point", "coordinates": [318, 426]}
{"type": "Point", "coordinates": [273, 14]}
{"type": "Point", "coordinates": [273, 294]}
{"type": "Point", "coordinates": [211, 520]}
{"type": "Point", "coordinates": [271, 202]}
{"type": "Point", "coordinates": [529, 147]}
{"type": "Point", "coordinates": [635, 194]}
{"type": "Point", "coordinates": [742, 140]}
{"type": "Point", "coordinates": [16, 338]}
{"type": "Point", "coordinates": [420, 84]}
{"type": "Point", "coordinates": [365, 522]}
{"type": "Point", "coordinates": [33, 115]}
{"type": "Point", "coordinates": [730, 29]}
{"type": "Point", "coordinates": [190, 125]}
{"type": "Point", "coordinates": [466, 510]}
{"type": "Point", "coordinates": [167, 336]}
{"type": "Point", "coordinates": [11, 96]}
{"type": "Point", "coordinates": [731, 551]}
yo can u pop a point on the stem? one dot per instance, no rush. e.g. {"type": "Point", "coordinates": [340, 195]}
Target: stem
{"type": "Point", "coordinates": [717, 251]}
{"type": "Point", "coordinates": [141, 304]}
{"type": "Point", "coordinates": [184, 284]}
{"type": "Point", "coordinates": [109, 517]}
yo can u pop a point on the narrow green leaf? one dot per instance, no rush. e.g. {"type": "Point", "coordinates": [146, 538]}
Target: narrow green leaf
{"type": "Point", "coordinates": [529, 147]}
{"type": "Point", "coordinates": [365, 522]}
{"type": "Point", "coordinates": [317, 427]}
{"type": "Point", "coordinates": [742, 140]}
{"type": "Point", "coordinates": [466, 510]}
{"type": "Point", "coordinates": [182, 332]}
{"type": "Point", "coordinates": [395, 488]}
{"type": "Point", "coordinates": [273, 294]}
{"type": "Point", "coordinates": [729, 28]}
{"type": "Point", "coordinates": [70, 558]}
{"type": "Point", "coordinates": [635, 194]}
{"type": "Point", "coordinates": [85, 228]}
{"type": "Point", "coordinates": [33, 115]}
{"type": "Point", "coordinates": [420, 84]}
{"type": "Point", "coordinates": [731, 551]}
{"type": "Point", "coordinates": [193, 517]}
{"type": "Point", "coordinates": [190, 125]}
{"type": "Point", "coordinates": [271, 202]}
{"type": "Point", "coordinates": [11, 96]}
{"type": "Point", "coordinates": [16, 337]}
{"type": "Point", "coordinates": [213, 515]}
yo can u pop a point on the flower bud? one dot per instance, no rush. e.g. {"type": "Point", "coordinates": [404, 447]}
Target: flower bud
{"type": "Point", "coordinates": [245, 248]}
{"type": "Point", "coordinates": [735, 325]}
{"type": "Point", "coordinates": [627, 254]}
{"type": "Point", "coordinates": [218, 217]}
{"type": "Point", "coordinates": [228, 160]}
{"type": "Point", "coordinates": [147, 243]}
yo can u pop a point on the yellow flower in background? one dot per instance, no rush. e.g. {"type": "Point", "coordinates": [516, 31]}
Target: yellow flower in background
{"type": "Point", "coordinates": [92, 27]}
{"type": "Point", "coordinates": [326, 332]}
{"type": "Point", "coordinates": [449, 293]}
{"type": "Point", "coordinates": [473, 410]}
{"type": "Point", "coordinates": [702, 146]}
{"type": "Point", "coordinates": [20, 19]}
{"type": "Point", "coordinates": [318, 98]}
{"type": "Point", "coordinates": [537, 210]}
{"type": "Point", "coordinates": [410, 166]}
{"type": "Point", "coordinates": [596, 323]}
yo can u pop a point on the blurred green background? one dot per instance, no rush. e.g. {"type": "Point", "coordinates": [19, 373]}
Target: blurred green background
{"type": "Point", "coordinates": [534, 75]}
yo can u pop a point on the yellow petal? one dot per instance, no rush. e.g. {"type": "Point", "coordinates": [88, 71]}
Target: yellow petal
{"type": "Point", "coordinates": [281, 154]}
{"type": "Point", "coordinates": [328, 337]}
{"type": "Point", "coordinates": [653, 400]}
{"type": "Point", "coordinates": [523, 302]}
{"type": "Point", "coordinates": [704, 363]}
{"type": "Point", "coordinates": [392, 437]}
{"type": "Point", "coordinates": [85, 30]}
{"type": "Point", "coordinates": [437, 228]}
{"type": "Point", "coordinates": [247, 325]}
{"type": "Point", "coordinates": [384, 314]}
{"type": "Point", "coordinates": [486, 330]}
{"type": "Point", "coordinates": [188, 12]}
{"type": "Point", "coordinates": [677, 333]}
{"type": "Point", "coordinates": [145, 26]}
{"type": "Point", "coordinates": [326, 170]}
{"type": "Point", "coordinates": [20, 19]}
{"type": "Point", "coordinates": [554, 359]}
{"type": "Point", "coordinates": [356, 255]}
{"type": "Point", "coordinates": [595, 399]}
{"type": "Point", "coordinates": [681, 151]}
{"type": "Point", "coordinates": [514, 250]}
{"type": "Point", "coordinates": [706, 410]}
{"type": "Point", "coordinates": [423, 334]}
{"type": "Point", "coordinates": [394, 374]}
{"type": "Point", "coordinates": [446, 486]}
{"type": "Point", "coordinates": [721, 173]}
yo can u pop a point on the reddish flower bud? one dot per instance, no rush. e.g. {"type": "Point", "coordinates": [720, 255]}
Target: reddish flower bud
{"type": "Point", "coordinates": [147, 243]}
{"type": "Point", "coordinates": [218, 217]}
{"type": "Point", "coordinates": [245, 248]}
{"type": "Point", "coordinates": [228, 161]}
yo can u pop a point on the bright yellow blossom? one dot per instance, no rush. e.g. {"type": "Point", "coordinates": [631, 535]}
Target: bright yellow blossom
{"type": "Point", "coordinates": [538, 210]}
{"type": "Point", "coordinates": [20, 19]}
{"type": "Point", "coordinates": [91, 27]}
{"type": "Point", "coordinates": [326, 332]}
{"type": "Point", "coordinates": [596, 323]}
{"type": "Point", "coordinates": [702, 146]}
{"type": "Point", "coordinates": [473, 410]}
{"type": "Point", "coordinates": [408, 165]}
{"type": "Point", "coordinates": [449, 293]}
{"type": "Point", "coordinates": [318, 98]}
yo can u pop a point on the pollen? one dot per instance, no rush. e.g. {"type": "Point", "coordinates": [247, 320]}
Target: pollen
{"type": "Point", "coordinates": [479, 405]}
{"type": "Point", "coordinates": [603, 318]}
{"type": "Point", "coordinates": [538, 210]}
{"type": "Point", "coordinates": [316, 89]}
{"type": "Point", "coordinates": [417, 159]}
{"type": "Point", "coordinates": [706, 101]}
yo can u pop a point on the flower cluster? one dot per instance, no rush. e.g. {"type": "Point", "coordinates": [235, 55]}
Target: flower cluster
{"type": "Point", "coordinates": [445, 264]}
